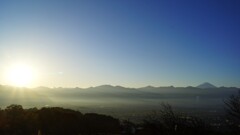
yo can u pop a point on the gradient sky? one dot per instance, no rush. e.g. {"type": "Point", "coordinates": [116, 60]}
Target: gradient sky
{"type": "Point", "coordinates": [132, 43]}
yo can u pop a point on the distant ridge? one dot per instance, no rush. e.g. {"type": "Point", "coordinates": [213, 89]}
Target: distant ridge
{"type": "Point", "coordinates": [148, 87]}
{"type": "Point", "coordinates": [206, 85]}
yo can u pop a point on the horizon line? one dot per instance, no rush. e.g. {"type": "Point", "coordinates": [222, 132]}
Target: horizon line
{"type": "Point", "coordinates": [112, 86]}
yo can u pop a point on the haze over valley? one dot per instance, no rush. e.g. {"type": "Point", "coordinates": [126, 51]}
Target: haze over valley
{"type": "Point", "coordinates": [119, 67]}
{"type": "Point", "coordinates": [121, 101]}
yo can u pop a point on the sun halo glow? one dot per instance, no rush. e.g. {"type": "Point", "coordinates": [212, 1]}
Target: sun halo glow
{"type": "Point", "coordinates": [20, 75]}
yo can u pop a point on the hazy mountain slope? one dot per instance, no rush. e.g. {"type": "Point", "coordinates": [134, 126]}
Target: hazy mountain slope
{"type": "Point", "coordinates": [116, 95]}
{"type": "Point", "coordinates": [24, 96]}
{"type": "Point", "coordinates": [206, 85]}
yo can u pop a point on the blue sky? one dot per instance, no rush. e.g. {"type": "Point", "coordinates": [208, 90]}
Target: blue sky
{"type": "Point", "coordinates": [123, 42]}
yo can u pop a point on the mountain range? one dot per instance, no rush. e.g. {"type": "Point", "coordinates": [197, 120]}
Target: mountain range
{"type": "Point", "coordinates": [205, 95]}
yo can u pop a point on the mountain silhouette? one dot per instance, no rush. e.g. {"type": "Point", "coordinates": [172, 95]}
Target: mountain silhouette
{"type": "Point", "coordinates": [206, 85]}
{"type": "Point", "coordinates": [116, 96]}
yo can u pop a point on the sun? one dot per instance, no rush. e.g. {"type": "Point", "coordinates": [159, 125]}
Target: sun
{"type": "Point", "coordinates": [20, 75]}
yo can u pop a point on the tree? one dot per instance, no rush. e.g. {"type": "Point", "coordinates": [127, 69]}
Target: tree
{"type": "Point", "coordinates": [100, 124]}
{"type": "Point", "coordinates": [233, 105]}
{"type": "Point", "coordinates": [233, 111]}
{"type": "Point", "coordinates": [15, 119]}
{"type": "Point", "coordinates": [167, 121]}
{"type": "Point", "coordinates": [57, 120]}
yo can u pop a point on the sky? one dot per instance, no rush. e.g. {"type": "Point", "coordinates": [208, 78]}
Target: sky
{"type": "Point", "coordinates": [132, 43]}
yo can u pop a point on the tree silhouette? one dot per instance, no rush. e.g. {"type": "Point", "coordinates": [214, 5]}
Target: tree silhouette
{"type": "Point", "coordinates": [233, 105]}
{"type": "Point", "coordinates": [14, 120]}
{"type": "Point", "coordinates": [97, 123]}
{"type": "Point", "coordinates": [233, 111]}
{"type": "Point", "coordinates": [167, 121]}
{"type": "Point", "coordinates": [60, 121]}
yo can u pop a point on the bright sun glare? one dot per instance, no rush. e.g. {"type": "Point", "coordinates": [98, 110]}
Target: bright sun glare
{"type": "Point", "coordinates": [20, 75]}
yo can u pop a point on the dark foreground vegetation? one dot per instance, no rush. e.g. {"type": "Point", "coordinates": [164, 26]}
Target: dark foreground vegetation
{"type": "Point", "coordinates": [14, 120]}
